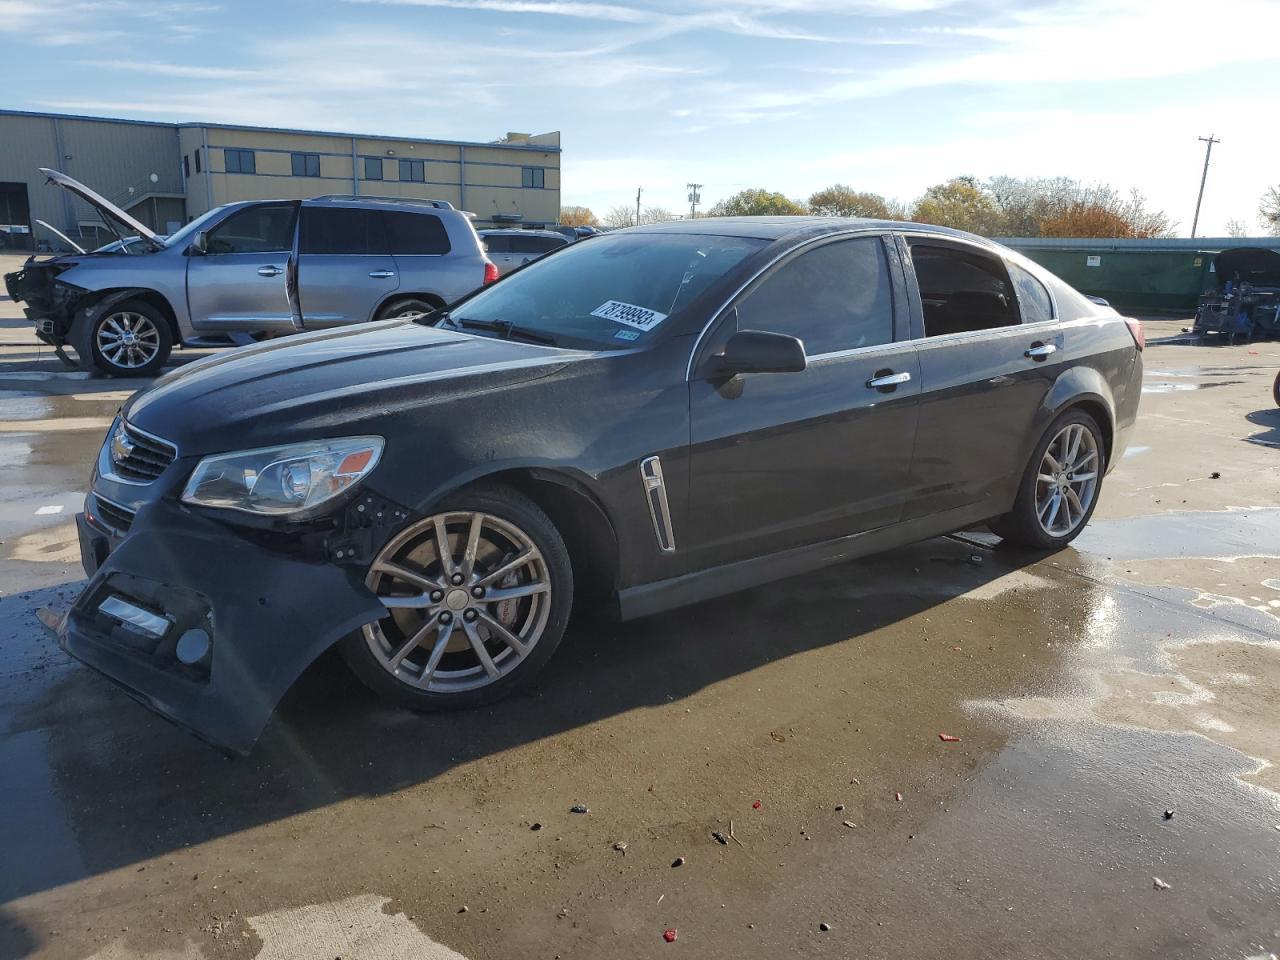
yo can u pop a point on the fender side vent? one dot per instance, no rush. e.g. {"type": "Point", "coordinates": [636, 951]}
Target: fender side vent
{"type": "Point", "coordinates": [655, 492]}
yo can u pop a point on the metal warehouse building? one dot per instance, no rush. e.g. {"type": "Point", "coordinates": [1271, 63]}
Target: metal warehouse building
{"type": "Point", "coordinates": [165, 174]}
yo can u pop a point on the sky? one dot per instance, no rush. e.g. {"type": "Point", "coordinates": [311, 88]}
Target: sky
{"type": "Point", "coordinates": [888, 96]}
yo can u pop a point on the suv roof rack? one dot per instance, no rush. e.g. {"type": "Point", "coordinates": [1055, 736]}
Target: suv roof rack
{"type": "Point", "coordinates": [438, 204]}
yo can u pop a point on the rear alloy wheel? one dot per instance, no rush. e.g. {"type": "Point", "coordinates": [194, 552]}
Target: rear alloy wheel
{"type": "Point", "coordinates": [1060, 487]}
{"type": "Point", "coordinates": [409, 308]}
{"type": "Point", "coordinates": [477, 596]}
{"type": "Point", "coordinates": [130, 339]}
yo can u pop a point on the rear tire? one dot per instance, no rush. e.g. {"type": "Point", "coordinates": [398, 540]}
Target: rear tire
{"type": "Point", "coordinates": [407, 306]}
{"type": "Point", "coordinates": [1060, 486]}
{"type": "Point", "coordinates": [130, 339]}
{"type": "Point", "coordinates": [1275, 391]}
{"type": "Point", "coordinates": [448, 642]}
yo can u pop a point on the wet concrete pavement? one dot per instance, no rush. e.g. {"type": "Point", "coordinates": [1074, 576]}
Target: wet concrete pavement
{"type": "Point", "coordinates": [1091, 690]}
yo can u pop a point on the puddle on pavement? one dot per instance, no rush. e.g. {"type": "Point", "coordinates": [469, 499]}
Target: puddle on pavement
{"type": "Point", "coordinates": [1236, 531]}
{"type": "Point", "coordinates": [1159, 387]}
{"type": "Point", "coordinates": [60, 544]}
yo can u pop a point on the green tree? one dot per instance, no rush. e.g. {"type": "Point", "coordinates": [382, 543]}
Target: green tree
{"type": "Point", "coordinates": [842, 201]}
{"type": "Point", "coordinates": [757, 203]}
{"type": "Point", "coordinates": [960, 203]}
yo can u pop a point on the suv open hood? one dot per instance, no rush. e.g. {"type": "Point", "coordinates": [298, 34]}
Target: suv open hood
{"type": "Point", "coordinates": [1257, 265]}
{"type": "Point", "coordinates": [112, 215]}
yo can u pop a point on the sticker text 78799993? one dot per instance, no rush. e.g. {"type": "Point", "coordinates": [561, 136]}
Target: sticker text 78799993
{"type": "Point", "coordinates": [641, 318]}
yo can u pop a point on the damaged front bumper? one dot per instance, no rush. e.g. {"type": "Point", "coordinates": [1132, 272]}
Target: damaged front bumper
{"type": "Point", "coordinates": [203, 626]}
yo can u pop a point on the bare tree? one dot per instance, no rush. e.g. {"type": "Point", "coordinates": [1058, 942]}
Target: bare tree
{"type": "Point", "coordinates": [619, 217]}
{"type": "Point", "coordinates": [1236, 228]}
{"type": "Point", "coordinates": [656, 215]}
{"type": "Point", "coordinates": [1269, 211]}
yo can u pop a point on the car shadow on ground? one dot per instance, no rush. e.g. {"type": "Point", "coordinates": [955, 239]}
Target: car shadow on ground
{"type": "Point", "coordinates": [1269, 420]}
{"type": "Point", "coordinates": [331, 739]}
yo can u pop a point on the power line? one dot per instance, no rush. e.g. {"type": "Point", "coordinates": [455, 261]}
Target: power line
{"type": "Point", "coordinates": [1208, 141]}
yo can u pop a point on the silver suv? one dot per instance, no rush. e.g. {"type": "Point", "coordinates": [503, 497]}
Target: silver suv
{"type": "Point", "coordinates": [247, 270]}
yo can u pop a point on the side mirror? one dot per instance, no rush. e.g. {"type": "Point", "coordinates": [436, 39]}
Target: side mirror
{"type": "Point", "coordinates": [199, 243]}
{"type": "Point", "coordinates": [755, 351]}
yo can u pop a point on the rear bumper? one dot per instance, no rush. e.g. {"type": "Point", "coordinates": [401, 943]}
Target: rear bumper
{"type": "Point", "coordinates": [266, 617]}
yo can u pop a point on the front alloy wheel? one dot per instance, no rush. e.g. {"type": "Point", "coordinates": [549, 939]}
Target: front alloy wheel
{"type": "Point", "coordinates": [130, 340]}
{"type": "Point", "coordinates": [474, 604]}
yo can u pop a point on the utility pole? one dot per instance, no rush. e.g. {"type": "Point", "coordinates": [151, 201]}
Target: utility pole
{"type": "Point", "coordinates": [694, 199]}
{"type": "Point", "coordinates": [638, 190]}
{"type": "Point", "coordinates": [1208, 141]}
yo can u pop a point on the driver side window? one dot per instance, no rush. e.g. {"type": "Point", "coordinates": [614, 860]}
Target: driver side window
{"type": "Point", "coordinates": [267, 228]}
{"type": "Point", "coordinates": [835, 297]}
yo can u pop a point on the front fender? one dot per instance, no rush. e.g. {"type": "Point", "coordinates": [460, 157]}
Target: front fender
{"type": "Point", "coordinates": [267, 616]}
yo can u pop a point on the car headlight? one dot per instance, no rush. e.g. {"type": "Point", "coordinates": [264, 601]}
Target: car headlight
{"type": "Point", "coordinates": [282, 480]}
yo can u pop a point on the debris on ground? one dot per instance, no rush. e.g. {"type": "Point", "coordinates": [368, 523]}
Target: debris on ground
{"type": "Point", "coordinates": [948, 738]}
{"type": "Point", "coordinates": [720, 838]}
{"type": "Point", "coordinates": [621, 847]}
{"type": "Point", "coordinates": [975, 559]}
{"type": "Point", "coordinates": [1215, 475]}
{"type": "Point", "coordinates": [678, 862]}
{"type": "Point", "coordinates": [464, 909]}
{"type": "Point", "coordinates": [897, 797]}
{"type": "Point", "coordinates": [824, 927]}
{"type": "Point", "coordinates": [1168, 814]}
{"type": "Point", "coordinates": [756, 805]}
{"type": "Point", "coordinates": [578, 808]}
{"type": "Point", "coordinates": [779, 738]}
{"type": "Point", "coordinates": [733, 836]}
{"type": "Point", "coordinates": [669, 935]}
{"type": "Point", "coordinates": [535, 826]}
{"type": "Point", "coordinates": [850, 824]}
{"type": "Point", "coordinates": [49, 618]}
{"type": "Point", "coordinates": [1159, 884]}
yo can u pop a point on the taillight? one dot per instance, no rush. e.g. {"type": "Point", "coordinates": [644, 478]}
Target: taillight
{"type": "Point", "coordinates": [490, 272]}
{"type": "Point", "coordinates": [1135, 328]}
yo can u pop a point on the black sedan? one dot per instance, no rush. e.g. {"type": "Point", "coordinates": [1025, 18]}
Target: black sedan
{"type": "Point", "coordinates": [656, 417]}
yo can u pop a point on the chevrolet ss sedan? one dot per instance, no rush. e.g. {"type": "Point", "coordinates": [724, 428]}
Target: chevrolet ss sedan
{"type": "Point", "coordinates": [665, 414]}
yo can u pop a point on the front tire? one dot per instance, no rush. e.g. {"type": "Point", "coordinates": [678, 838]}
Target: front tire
{"type": "Point", "coordinates": [1060, 486]}
{"type": "Point", "coordinates": [478, 595]}
{"type": "Point", "coordinates": [130, 339]}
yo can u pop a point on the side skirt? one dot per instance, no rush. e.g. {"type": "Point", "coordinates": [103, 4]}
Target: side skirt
{"type": "Point", "coordinates": [650, 598]}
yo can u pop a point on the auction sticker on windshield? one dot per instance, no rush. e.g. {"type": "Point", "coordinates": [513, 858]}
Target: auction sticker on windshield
{"type": "Point", "coordinates": [642, 318]}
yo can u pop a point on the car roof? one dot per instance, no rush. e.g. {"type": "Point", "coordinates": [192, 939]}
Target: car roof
{"type": "Point", "coordinates": [777, 228]}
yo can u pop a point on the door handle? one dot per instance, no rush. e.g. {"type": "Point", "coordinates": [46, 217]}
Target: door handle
{"type": "Point", "coordinates": [886, 381]}
{"type": "Point", "coordinates": [269, 271]}
{"type": "Point", "coordinates": [1039, 351]}
{"type": "Point", "coordinates": [382, 274]}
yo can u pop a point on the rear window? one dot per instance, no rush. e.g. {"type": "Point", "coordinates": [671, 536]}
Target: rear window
{"type": "Point", "coordinates": [415, 233]}
{"type": "Point", "coordinates": [340, 230]}
{"type": "Point", "coordinates": [498, 243]}
{"type": "Point", "coordinates": [533, 244]}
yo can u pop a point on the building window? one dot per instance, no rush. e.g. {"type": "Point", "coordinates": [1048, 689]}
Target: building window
{"type": "Point", "coordinates": [534, 177]}
{"type": "Point", "coordinates": [373, 168]}
{"type": "Point", "coordinates": [413, 170]}
{"type": "Point", "coordinates": [196, 153]}
{"type": "Point", "coordinates": [186, 166]}
{"type": "Point", "coordinates": [239, 161]}
{"type": "Point", "coordinates": [305, 164]}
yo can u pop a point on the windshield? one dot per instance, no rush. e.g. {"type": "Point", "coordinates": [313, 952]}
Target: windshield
{"type": "Point", "coordinates": [183, 236]}
{"type": "Point", "coordinates": [611, 292]}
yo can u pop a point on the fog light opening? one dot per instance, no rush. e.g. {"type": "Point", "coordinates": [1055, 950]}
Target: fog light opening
{"type": "Point", "coordinates": [193, 646]}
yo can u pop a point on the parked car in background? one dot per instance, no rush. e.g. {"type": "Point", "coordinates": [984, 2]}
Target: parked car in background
{"type": "Point", "coordinates": [657, 416]}
{"type": "Point", "coordinates": [247, 269]}
{"type": "Point", "coordinates": [509, 249]}
{"type": "Point", "coordinates": [1247, 303]}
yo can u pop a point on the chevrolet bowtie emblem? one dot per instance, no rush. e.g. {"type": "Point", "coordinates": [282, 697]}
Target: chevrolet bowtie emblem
{"type": "Point", "coordinates": [121, 446]}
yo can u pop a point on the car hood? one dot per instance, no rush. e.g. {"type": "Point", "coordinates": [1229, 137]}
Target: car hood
{"type": "Point", "coordinates": [321, 384]}
{"type": "Point", "coordinates": [1257, 265]}
{"type": "Point", "coordinates": [112, 215]}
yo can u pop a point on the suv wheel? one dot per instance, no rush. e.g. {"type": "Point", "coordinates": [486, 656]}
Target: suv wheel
{"type": "Point", "coordinates": [130, 339]}
{"type": "Point", "coordinates": [406, 307]}
{"type": "Point", "coordinates": [478, 596]}
{"type": "Point", "coordinates": [1060, 487]}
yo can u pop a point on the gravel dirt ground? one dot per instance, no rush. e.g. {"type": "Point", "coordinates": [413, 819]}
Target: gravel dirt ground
{"type": "Point", "coordinates": [1093, 693]}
